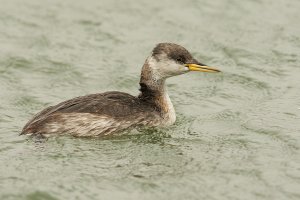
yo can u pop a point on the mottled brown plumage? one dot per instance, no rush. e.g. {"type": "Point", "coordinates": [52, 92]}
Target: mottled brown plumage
{"type": "Point", "coordinates": [116, 105]}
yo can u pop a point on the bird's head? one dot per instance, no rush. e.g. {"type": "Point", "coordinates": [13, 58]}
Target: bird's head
{"type": "Point", "coordinates": [169, 60]}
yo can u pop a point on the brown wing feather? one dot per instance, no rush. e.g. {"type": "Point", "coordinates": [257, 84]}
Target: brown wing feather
{"type": "Point", "coordinates": [113, 104]}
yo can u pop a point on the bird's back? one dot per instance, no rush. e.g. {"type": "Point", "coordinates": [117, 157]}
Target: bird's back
{"type": "Point", "coordinates": [93, 114]}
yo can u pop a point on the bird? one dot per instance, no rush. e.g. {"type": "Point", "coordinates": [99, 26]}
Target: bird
{"type": "Point", "coordinates": [114, 112]}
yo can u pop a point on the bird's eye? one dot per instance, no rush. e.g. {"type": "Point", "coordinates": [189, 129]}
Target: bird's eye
{"type": "Point", "coordinates": [180, 60]}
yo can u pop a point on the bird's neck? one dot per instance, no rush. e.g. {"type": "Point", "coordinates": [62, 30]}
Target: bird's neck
{"type": "Point", "coordinates": [154, 92]}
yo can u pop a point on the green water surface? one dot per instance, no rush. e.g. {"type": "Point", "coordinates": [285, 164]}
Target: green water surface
{"type": "Point", "coordinates": [237, 134]}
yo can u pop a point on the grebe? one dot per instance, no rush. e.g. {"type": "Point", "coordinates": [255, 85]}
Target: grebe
{"type": "Point", "coordinates": [111, 112]}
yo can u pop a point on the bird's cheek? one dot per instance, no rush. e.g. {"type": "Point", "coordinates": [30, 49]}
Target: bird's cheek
{"type": "Point", "coordinates": [183, 69]}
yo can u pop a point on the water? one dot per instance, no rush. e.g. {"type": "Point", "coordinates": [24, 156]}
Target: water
{"type": "Point", "coordinates": [237, 134]}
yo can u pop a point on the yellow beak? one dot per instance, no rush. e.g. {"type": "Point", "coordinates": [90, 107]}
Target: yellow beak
{"type": "Point", "coordinates": [200, 68]}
